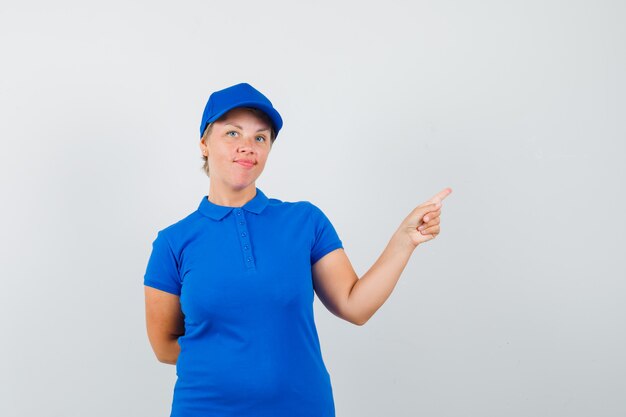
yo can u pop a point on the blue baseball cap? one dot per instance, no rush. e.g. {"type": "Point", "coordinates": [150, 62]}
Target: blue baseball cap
{"type": "Point", "coordinates": [239, 95]}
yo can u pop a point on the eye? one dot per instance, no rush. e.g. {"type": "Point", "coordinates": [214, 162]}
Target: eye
{"type": "Point", "coordinates": [229, 133]}
{"type": "Point", "coordinates": [262, 137]}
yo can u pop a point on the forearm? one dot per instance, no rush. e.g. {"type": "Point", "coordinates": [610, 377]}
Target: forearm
{"type": "Point", "coordinates": [169, 351]}
{"type": "Point", "coordinates": [373, 289]}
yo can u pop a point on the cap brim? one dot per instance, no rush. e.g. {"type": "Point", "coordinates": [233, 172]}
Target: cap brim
{"type": "Point", "coordinates": [277, 121]}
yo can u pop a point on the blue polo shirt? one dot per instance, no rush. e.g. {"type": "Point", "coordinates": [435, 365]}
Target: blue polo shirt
{"type": "Point", "coordinates": [243, 275]}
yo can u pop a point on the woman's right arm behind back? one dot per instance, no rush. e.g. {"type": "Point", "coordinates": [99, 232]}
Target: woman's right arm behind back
{"type": "Point", "coordinates": [165, 323]}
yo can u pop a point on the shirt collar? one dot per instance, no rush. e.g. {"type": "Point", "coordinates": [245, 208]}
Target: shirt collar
{"type": "Point", "coordinates": [209, 209]}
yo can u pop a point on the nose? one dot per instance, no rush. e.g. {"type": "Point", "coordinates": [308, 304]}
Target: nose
{"type": "Point", "coordinates": [247, 144]}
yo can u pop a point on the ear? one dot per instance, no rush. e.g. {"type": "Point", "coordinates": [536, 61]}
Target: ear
{"type": "Point", "coordinates": [203, 148]}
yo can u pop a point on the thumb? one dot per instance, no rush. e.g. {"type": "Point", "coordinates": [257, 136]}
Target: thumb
{"type": "Point", "coordinates": [428, 208]}
{"type": "Point", "coordinates": [420, 211]}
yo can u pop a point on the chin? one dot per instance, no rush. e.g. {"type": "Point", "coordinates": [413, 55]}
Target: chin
{"type": "Point", "coordinates": [243, 185]}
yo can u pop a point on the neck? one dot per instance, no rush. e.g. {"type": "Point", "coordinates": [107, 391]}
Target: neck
{"type": "Point", "coordinates": [223, 196]}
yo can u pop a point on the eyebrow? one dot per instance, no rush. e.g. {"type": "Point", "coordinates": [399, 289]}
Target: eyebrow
{"type": "Point", "coordinates": [237, 126]}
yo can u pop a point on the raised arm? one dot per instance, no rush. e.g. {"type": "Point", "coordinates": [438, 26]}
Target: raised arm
{"type": "Point", "coordinates": [356, 300]}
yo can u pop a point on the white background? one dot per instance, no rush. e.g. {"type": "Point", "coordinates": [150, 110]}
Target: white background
{"type": "Point", "coordinates": [516, 309]}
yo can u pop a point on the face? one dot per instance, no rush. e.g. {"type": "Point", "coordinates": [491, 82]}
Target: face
{"type": "Point", "coordinates": [237, 149]}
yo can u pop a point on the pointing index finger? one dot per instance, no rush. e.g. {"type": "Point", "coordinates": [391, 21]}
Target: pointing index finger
{"type": "Point", "coordinates": [438, 198]}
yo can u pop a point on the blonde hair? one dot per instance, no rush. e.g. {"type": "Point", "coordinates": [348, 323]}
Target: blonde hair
{"type": "Point", "coordinates": [259, 113]}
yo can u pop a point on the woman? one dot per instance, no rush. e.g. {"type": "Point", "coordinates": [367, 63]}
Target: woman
{"type": "Point", "coordinates": [229, 288]}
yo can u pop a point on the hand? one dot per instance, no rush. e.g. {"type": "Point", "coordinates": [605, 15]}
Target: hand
{"type": "Point", "coordinates": [422, 224]}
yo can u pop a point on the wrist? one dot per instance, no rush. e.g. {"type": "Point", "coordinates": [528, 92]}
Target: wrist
{"type": "Point", "coordinates": [402, 240]}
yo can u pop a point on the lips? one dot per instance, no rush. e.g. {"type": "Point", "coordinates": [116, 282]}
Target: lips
{"type": "Point", "coordinates": [245, 162]}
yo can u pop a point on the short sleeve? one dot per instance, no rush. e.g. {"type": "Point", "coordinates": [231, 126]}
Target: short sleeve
{"type": "Point", "coordinates": [162, 270]}
{"type": "Point", "coordinates": [325, 236]}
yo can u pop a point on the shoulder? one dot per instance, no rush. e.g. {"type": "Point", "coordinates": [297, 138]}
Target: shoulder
{"type": "Point", "coordinates": [303, 207]}
{"type": "Point", "coordinates": [296, 214]}
{"type": "Point", "coordinates": [180, 229]}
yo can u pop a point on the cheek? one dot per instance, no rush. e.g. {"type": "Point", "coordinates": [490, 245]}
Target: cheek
{"type": "Point", "coordinates": [263, 158]}
{"type": "Point", "coordinates": [223, 154]}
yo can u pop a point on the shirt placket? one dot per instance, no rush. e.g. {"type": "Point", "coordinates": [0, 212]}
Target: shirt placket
{"type": "Point", "coordinates": [244, 239]}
